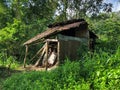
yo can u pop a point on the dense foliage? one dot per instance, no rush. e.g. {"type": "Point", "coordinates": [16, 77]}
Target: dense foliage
{"type": "Point", "coordinates": [21, 20]}
{"type": "Point", "coordinates": [100, 72]}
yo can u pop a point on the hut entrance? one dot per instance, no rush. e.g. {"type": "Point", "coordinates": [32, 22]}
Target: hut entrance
{"type": "Point", "coordinates": [48, 55]}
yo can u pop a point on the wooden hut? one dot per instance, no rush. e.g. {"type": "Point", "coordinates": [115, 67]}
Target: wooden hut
{"type": "Point", "coordinates": [62, 40]}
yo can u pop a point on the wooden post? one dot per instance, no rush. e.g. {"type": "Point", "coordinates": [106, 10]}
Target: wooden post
{"type": "Point", "coordinates": [38, 52]}
{"type": "Point", "coordinates": [47, 47]}
{"type": "Point", "coordinates": [26, 52]}
{"type": "Point", "coordinates": [58, 52]}
{"type": "Point", "coordinates": [42, 54]}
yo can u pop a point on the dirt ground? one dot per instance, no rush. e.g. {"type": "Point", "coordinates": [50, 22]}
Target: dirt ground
{"type": "Point", "coordinates": [39, 68]}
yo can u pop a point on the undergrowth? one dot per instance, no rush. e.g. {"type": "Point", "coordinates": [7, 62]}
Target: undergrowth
{"type": "Point", "coordinates": [99, 72]}
{"type": "Point", "coordinates": [8, 61]}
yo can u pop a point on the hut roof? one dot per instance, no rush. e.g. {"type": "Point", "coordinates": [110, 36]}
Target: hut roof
{"type": "Point", "coordinates": [65, 23]}
{"type": "Point", "coordinates": [56, 28]}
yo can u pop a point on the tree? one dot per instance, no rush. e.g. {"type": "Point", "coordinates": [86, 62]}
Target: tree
{"type": "Point", "coordinates": [69, 9]}
{"type": "Point", "coordinates": [4, 14]}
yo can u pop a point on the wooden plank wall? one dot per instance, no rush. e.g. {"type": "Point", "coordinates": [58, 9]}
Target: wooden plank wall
{"type": "Point", "coordinates": [68, 49]}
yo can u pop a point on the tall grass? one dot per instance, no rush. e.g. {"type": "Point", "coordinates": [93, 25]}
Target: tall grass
{"type": "Point", "coordinates": [100, 72]}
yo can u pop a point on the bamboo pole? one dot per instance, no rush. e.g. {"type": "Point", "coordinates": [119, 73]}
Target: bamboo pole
{"type": "Point", "coordinates": [26, 52]}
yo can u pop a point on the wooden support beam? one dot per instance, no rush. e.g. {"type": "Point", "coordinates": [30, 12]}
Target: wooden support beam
{"type": "Point", "coordinates": [38, 52]}
{"type": "Point", "coordinates": [58, 52]}
{"type": "Point", "coordinates": [26, 52]}
{"type": "Point", "coordinates": [42, 54]}
{"type": "Point", "coordinates": [46, 63]}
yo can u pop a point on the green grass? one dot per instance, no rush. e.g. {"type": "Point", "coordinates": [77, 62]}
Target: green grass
{"type": "Point", "coordinates": [100, 72]}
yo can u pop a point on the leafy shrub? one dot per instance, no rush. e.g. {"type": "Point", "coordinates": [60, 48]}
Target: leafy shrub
{"type": "Point", "coordinates": [104, 70]}
{"type": "Point", "coordinates": [63, 77]}
{"type": "Point", "coordinates": [6, 61]}
{"type": "Point", "coordinates": [100, 72]}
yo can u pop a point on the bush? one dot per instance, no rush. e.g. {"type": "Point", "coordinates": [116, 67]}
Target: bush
{"type": "Point", "coordinates": [66, 76]}
{"type": "Point", "coordinates": [101, 72]}
{"type": "Point", "coordinates": [10, 61]}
